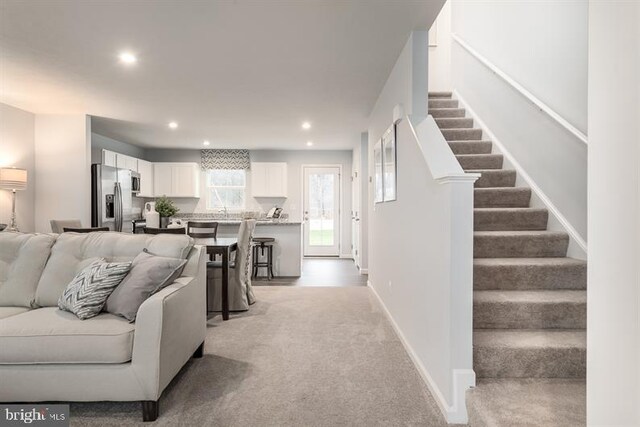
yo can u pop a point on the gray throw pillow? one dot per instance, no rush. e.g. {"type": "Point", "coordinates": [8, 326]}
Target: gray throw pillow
{"type": "Point", "coordinates": [148, 275]}
{"type": "Point", "coordinates": [86, 294]}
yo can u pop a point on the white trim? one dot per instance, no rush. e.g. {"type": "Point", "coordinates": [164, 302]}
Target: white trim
{"type": "Point", "coordinates": [463, 379]}
{"type": "Point", "coordinates": [364, 271]}
{"type": "Point", "coordinates": [531, 97]}
{"type": "Point", "coordinates": [553, 210]}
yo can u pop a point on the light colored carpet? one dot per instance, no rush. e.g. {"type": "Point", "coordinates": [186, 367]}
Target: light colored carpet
{"type": "Point", "coordinates": [300, 357]}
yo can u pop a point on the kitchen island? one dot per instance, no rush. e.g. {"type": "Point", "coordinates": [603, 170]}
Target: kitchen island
{"type": "Point", "coordinates": [287, 249]}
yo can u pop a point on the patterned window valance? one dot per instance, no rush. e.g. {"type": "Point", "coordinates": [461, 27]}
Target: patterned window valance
{"type": "Point", "coordinates": [225, 159]}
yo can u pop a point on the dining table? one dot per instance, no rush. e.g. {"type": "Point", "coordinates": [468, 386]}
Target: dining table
{"type": "Point", "coordinates": [223, 246]}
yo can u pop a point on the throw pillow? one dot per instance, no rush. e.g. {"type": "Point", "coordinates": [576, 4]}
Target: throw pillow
{"type": "Point", "coordinates": [148, 275]}
{"type": "Point", "coordinates": [86, 294]}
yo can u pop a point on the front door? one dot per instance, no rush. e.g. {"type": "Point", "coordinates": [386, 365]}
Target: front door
{"type": "Point", "coordinates": [321, 211]}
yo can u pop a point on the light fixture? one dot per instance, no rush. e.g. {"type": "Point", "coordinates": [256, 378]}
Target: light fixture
{"type": "Point", "coordinates": [309, 143]}
{"type": "Point", "coordinates": [206, 143]}
{"type": "Point", "coordinates": [127, 58]}
{"type": "Point", "coordinates": [173, 125]}
{"type": "Point", "coordinates": [13, 179]}
{"type": "Point", "coordinates": [306, 125]}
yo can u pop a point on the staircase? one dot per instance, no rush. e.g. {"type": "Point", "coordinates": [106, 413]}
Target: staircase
{"type": "Point", "coordinates": [529, 302]}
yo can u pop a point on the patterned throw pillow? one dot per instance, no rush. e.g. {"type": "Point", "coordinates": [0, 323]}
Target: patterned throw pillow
{"type": "Point", "coordinates": [87, 293]}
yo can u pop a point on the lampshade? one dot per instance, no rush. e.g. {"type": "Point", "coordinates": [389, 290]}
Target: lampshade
{"type": "Point", "coordinates": [13, 178]}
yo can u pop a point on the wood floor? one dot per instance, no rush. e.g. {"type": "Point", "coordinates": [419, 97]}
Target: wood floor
{"type": "Point", "coordinates": [320, 272]}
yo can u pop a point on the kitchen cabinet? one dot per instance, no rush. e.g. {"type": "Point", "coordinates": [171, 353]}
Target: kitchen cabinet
{"type": "Point", "coordinates": [268, 179]}
{"type": "Point", "coordinates": [176, 179]}
{"type": "Point", "coordinates": [126, 162]}
{"type": "Point", "coordinates": [145, 169]}
{"type": "Point", "coordinates": [109, 158]}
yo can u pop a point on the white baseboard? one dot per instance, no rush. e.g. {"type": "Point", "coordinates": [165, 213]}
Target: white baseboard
{"type": "Point", "coordinates": [346, 256]}
{"type": "Point", "coordinates": [463, 379]}
{"type": "Point", "coordinates": [577, 245]}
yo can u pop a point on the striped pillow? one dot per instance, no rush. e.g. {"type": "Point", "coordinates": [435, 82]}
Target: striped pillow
{"type": "Point", "coordinates": [87, 293]}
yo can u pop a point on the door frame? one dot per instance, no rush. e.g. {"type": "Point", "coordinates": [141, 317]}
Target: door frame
{"type": "Point", "coordinates": [340, 207]}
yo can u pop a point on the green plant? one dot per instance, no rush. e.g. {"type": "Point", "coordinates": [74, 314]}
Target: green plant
{"type": "Point", "coordinates": [165, 207]}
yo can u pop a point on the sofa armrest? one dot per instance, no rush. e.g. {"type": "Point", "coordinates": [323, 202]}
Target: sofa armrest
{"type": "Point", "coordinates": [170, 326]}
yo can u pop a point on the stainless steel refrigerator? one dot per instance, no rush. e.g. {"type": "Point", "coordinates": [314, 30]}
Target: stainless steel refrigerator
{"type": "Point", "coordinates": [111, 198]}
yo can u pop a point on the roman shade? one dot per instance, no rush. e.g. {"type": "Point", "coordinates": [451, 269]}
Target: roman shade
{"type": "Point", "coordinates": [224, 159]}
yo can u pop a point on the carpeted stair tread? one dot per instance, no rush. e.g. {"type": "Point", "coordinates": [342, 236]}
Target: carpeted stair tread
{"type": "Point", "coordinates": [545, 309]}
{"type": "Point", "coordinates": [505, 219]}
{"type": "Point", "coordinates": [440, 94]}
{"type": "Point", "coordinates": [446, 112]}
{"type": "Point", "coordinates": [545, 402]}
{"type": "Point", "coordinates": [517, 244]}
{"type": "Point", "coordinates": [529, 353]}
{"type": "Point", "coordinates": [442, 103]}
{"type": "Point", "coordinates": [480, 161]}
{"type": "Point", "coordinates": [501, 197]}
{"type": "Point", "coordinates": [494, 178]}
{"type": "Point", "coordinates": [470, 147]}
{"type": "Point", "coordinates": [454, 122]}
{"type": "Point", "coordinates": [462, 134]}
{"type": "Point", "coordinates": [529, 273]}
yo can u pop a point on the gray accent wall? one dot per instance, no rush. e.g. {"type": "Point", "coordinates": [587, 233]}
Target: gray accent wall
{"type": "Point", "coordinates": [100, 142]}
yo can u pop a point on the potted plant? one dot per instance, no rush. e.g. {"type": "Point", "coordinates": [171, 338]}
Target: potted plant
{"type": "Point", "coordinates": [166, 209]}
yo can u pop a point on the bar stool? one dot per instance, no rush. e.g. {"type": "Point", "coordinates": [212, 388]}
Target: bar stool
{"type": "Point", "coordinates": [259, 246]}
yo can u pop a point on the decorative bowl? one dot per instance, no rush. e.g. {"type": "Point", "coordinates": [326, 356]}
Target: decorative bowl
{"type": "Point", "coordinates": [3, 226]}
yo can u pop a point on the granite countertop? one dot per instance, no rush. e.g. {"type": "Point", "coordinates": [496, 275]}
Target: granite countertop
{"type": "Point", "coordinates": [237, 221]}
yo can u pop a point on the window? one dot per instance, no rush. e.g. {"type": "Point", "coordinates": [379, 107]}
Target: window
{"type": "Point", "coordinates": [226, 189]}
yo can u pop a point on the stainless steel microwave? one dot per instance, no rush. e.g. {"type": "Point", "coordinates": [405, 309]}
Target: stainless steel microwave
{"type": "Point", "coordinates": [135, 182]}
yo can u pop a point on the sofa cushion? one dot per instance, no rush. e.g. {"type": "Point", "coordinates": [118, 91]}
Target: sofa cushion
{"type": "Point", "coordinates": [88, 291]}
{"type": "Point", "coordinates": [71, 253]}
{"type": "Point", "coordinates": [22, 259]}
{"type": "Point", "coordinates": [11, 311]}
{"type": "Point", "coordinates": [49, 335]}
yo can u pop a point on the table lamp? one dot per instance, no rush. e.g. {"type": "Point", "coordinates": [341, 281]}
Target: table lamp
{"type": "Point", "coordinates": [13, 179]}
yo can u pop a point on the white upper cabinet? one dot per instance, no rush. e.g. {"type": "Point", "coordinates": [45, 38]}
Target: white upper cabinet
{"type": "Point", "coordinates": [268, 179]}
{"type": "Point", "coordinates": [109, 158]}
{"type": "Point", "coordinates": [145, 169]}
{"type": "Point", "coordinates": [176, 179]}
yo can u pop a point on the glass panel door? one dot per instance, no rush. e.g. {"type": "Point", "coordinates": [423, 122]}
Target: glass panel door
{"type": "Point", "coordinates": [322, 211]}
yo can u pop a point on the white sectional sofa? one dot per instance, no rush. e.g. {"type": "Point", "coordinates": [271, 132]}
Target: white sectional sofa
{"type": "Point", "coordinates": [50, 355]}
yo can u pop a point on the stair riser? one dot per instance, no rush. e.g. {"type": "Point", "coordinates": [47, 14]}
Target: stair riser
{"type": "Point", "coordinates": [529, 315]}
{"type": "Point", "coordinates": [470, 147]}
{"type": "Point", "coordinates": [462, 134]}
{"type": "Point", "coordinates": [520, 246]}
{"type": "Point", "coordinates": [509, 220]}
{"type": "Point", "coordinates": [502, 198]}
{"type": "Point", "coordinates": [454, 123]}
{"type": "Point", "coordinates": [443, 103]}
{"type": "Point", "coordinates": [446, 112]}
{"type": "Point", "coordinates": [497, 178]}
{"type": "Point", "coordinates": [539, 277]}
{"type": "Point", "coordinates": [487, 161]}
{"type": "Point", "coordinates": [508, 362]}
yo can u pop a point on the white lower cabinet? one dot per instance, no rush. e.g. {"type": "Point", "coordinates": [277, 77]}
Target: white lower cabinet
{"type": "Point", "coordinates": [176, 179]}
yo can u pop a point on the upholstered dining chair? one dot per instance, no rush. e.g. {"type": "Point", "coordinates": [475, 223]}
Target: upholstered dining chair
{"type": "Point", "coordinates": [240, 290]}
{"type": "Point", "coordinates": [58, 225]}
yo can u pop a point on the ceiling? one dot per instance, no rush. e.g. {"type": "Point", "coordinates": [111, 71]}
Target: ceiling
{"type": "Point", "coordinates": [239, 73]}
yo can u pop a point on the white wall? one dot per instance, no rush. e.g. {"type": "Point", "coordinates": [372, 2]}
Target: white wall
{"type": "Point", "coordinates": [613, 307]}
{"type": "Point", "coordinates": [17, 149]}
{"type": "Point", "coordinates": [420, 250]}
{"type": "Point", "coordinates": [542, 46]}
{"type": "Point", "coordinates": [293, 203]}
{"type": "Point", "coordinates": [440, 51]}
{"type": "Point", "coordinates": [63, 158]}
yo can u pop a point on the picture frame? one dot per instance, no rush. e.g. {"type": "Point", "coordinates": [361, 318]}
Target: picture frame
{"type": "Point", "coordinates": [378, 177]}
{"type": "Point", "coordinates": [389, 160]}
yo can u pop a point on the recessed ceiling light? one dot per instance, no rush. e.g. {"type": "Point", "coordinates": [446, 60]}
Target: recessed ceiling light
{"type": "Point", "coordinates": [306, 125]}
{"type": "Point", "coordinates": [127, 58]}
{"type": "Point", "coordinates": [309, 143]}
{"type": "Point", "coordinates": [173, 125]}
{"type": "Point", "coordinates": [206, 143]}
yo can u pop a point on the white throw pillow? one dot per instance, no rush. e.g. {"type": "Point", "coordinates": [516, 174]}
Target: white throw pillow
{"type": "Point", "coordinates": [87, 293]}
